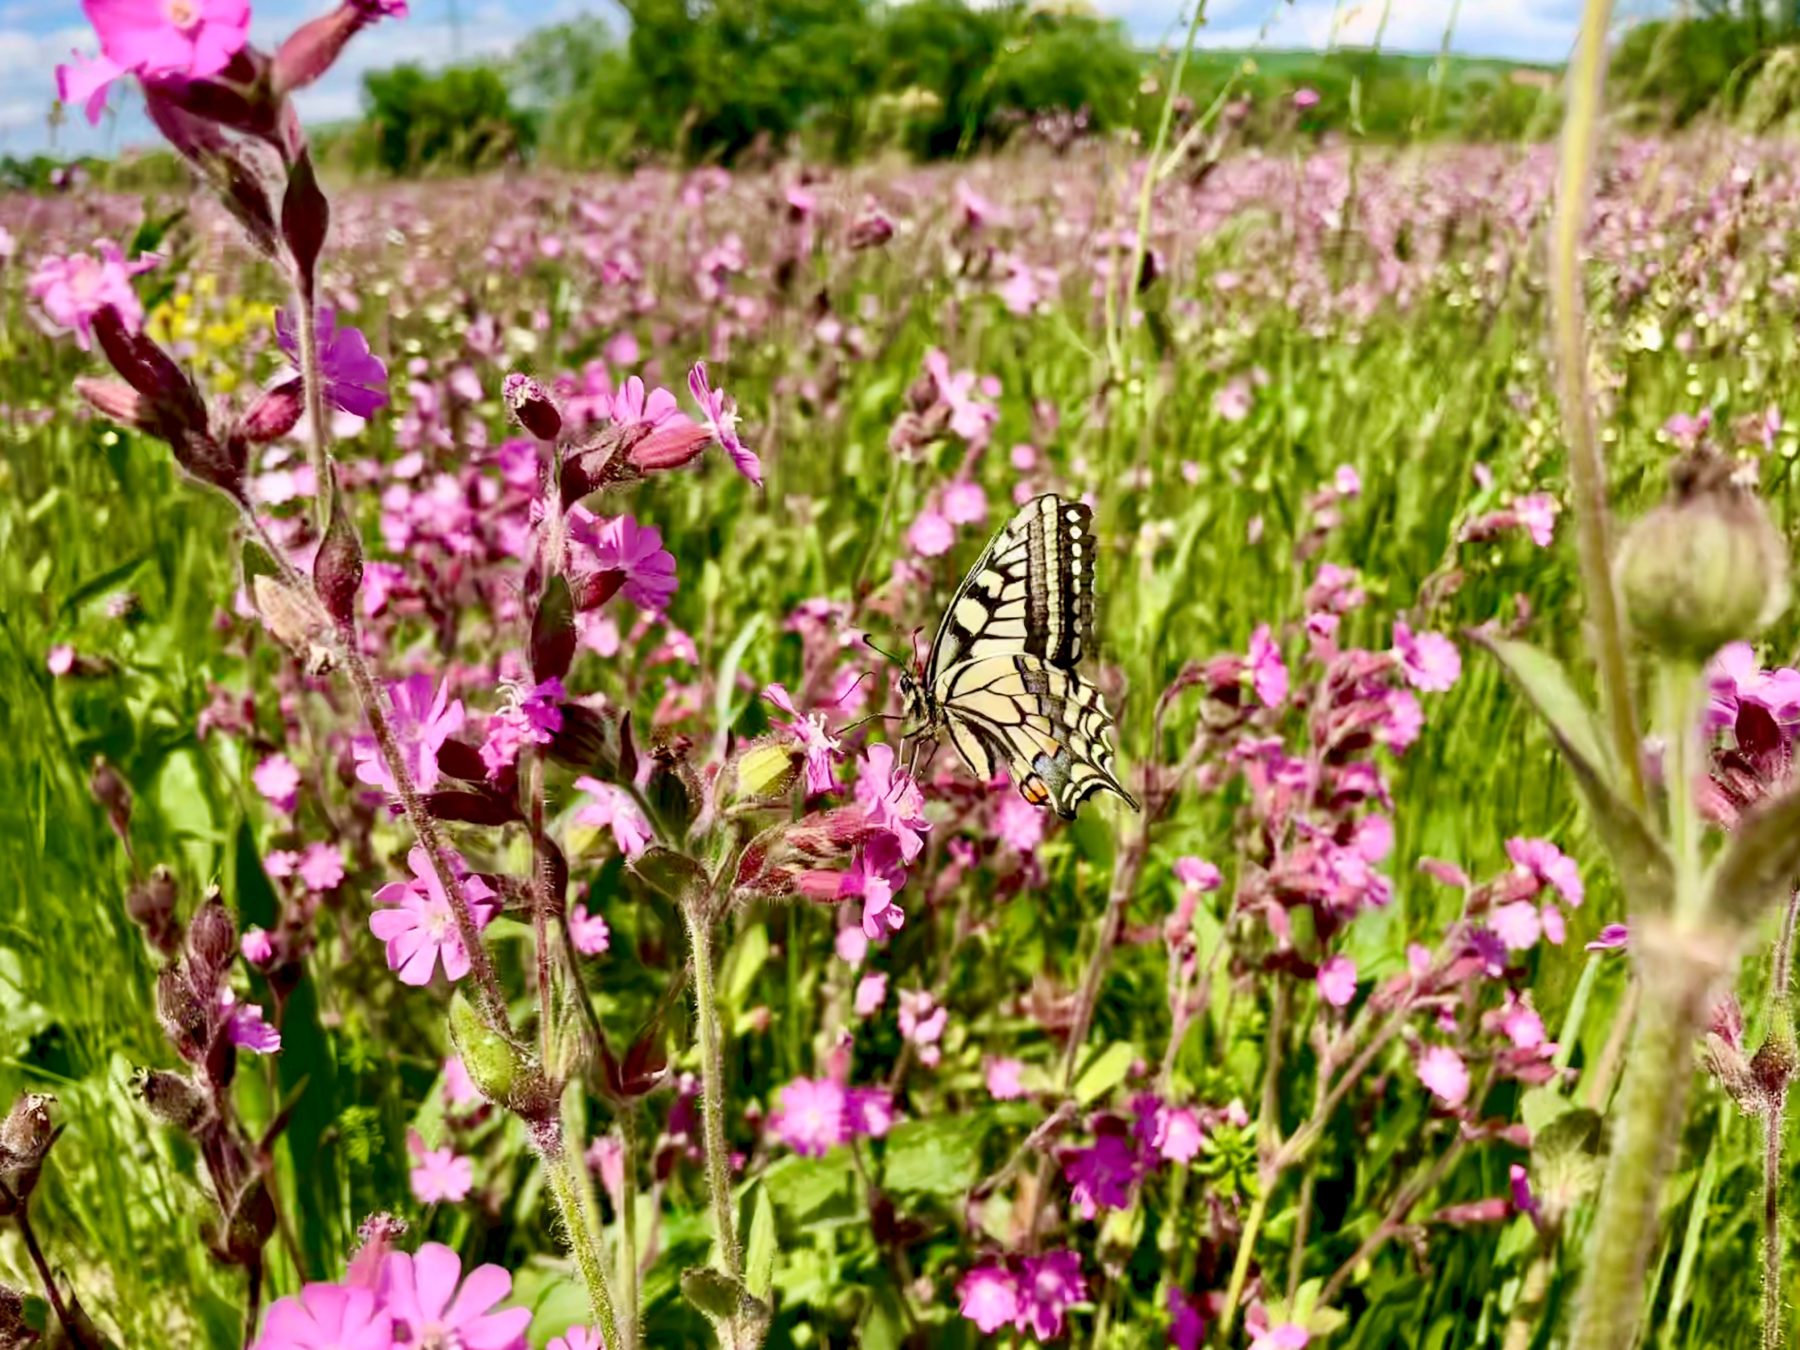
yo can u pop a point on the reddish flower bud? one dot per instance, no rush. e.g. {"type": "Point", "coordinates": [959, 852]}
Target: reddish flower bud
{"type": "Point", "coordinates": [273, 415]}
{"type": "Point", "coordinates": [305, 217]}
{"type": "Point", "coordinates": [338, 568]}
{"type": "Point", "coordinates": [182, 1014]}
{"type": "Point", "coordinates": [531, 406]}
{"type": "Point", "coordinates": [112, 793]}
{"type": "Point", "coordinates": [870, 230]}
{"type": "Point", "coordinates": [314, 47]}
{"type": "Point", "coordinates": [151, 906]}
{"type": "Point", "coordinates": [669, 447]}
{"type": "Point", "coordinates": [596, 588]}
{"type": "Point", "coordinates": [25, 1138]}
{"type": "Point", "coordinates": [117, 401]}
{"type": "Point", "coordinates": [553, 631]}
{"type": "Point", "coordinates": [172, 1098]}
{"type": "Point", "coordinates": [212, 936]}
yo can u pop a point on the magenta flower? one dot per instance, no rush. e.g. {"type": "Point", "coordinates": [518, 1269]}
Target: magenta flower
{"type": "Point", "coordinates": [588, 932]}
{"type": "Point", "coordinates": [931, 534]}
{"type": "Point", "coordinates": [869, 1111]}
{"type": "Point", "coordinates": [191, 38]}
{"type": "Point", "coordinates": [1337, 981]}
{"type": "Point", "coordinates": [355, 378]}
{"type": "Point", "coordinates": [1549, 864]}
{"type": "Point", "coordinates": [1521, 1024]}
{"type": "Point", "coordinates": [437, 1174]}
{"type": "Point", "coordinates": [1429, 661]}
{"type": "Point", "coordinates": [871, 993]}
{"type": "Point", "coordinates": [321, 867]}
{"type": "Point", "coordinates": [1102, 1175]}
{"type": "Point", "coordinates": [888, 796]}
{"type": "Point", "coordinates": [1268, 672]}
{"type": "Point", "coordinates": [612, 806]}
{"type": "Point", "coordinates": [821, 746]}
{"type": "Point", "coordinates": [990, 1297]}
{"type": "Point", "coordinates": [1442, 1071]}
{"type": "Point", "coordinates": [1048, 1286]}
{"type": "Point", "coordinates": [1518, 924]}
{"type": "Point", "coordinates": [87, 80]}
{"type": "Point", "coordinates": [327, 1317]}
{"type": "Point", "coordinates": [1187, 1326]}
{"type": "Point", "coordinates": [1537, 515]}
{"type": "Point", "coordinates": [1286, 1336]}
{"type": "Point", "coordinates": [1305, 98]}
{"type": "Point", "coordinates": [245, 1025]}
{"type": "Point", "coordinates": [256, 945]}
{"type": "Point", "coordinates": [922, 1021]}
{"type": "Point", "coordinates": [812, 1117]}
{"type": "Point", "coordinates": [577, 1338]}
{"type": "Point", "coordinates": [74, 289]}
{"type": "Point", "coordinates": [633, 405]}
{"type": "Point", "coordinates": [1611, 938]}
{"type": "Point", "coordinates": [421, 1292]}
{"type": "Point", "coordinates": [420, 928]}
{"type": "Point", "coordinates": [529, 718]}
{"type": "Point", "coordinates": [421, 723]}
{"type": "Point", "coordinates": [1005, 1079]}
{"type": "Point", "coordinates": [720, 418]}
{"type": "Point", "coordinates": [278, 781]}
{"type": "Point", "coordinates": [620, 544]}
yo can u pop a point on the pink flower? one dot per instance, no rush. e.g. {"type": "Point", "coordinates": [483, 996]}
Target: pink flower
{"type": "Point", "coordinates": [1520, 1023]}
{"type": "Point", "coordinates": [811, 1118]}
{"type": "Point", "coordinates": [1337, 981]}
{"type": "Point", "coordinates": [821, 746]}
{"type": "Point", "coordinates": [421, 723]}
{"type": "Point", "coordinates": [990, 1297]}
{"type": "Point", "coordinates": [245, 1025]}
{"type": "Point", "coordinates": [529, 718]}
{"type": "Point", "coordinates": [355, 378]}
{"type": "Point", "coordinates": [1197, 874]}
{"type": "Point", "coordinates": [87, 80]}
{"type": "Point", "coordinates": [1429, 661]}
{"type": "Point", "coordinates": [620, 544]}
{"type": "Point", "coordinates": [1232, 400]}
{"type": "Point", "coordinates": [922, 1021]}
{"type": "Point", "coordinates": [60, 659]}
{"type": "Point", "coordinates": [1268, 672]}
{"type": "Point", "coordinates": [1442, 1070]}
{"type": "Point", "coordinates": [931, 534]}
{"type": "Point", "coordinates": [1289, 1335]}
{"type": "Point", "coordinates": [577, 1338]}
{"type": "Point", "coordinates": [1178, 1136]}
{"type": "Point", "coordinates": [190, 38]}
{"type": "Point", "coordinates": [1549, 864]}
{"type": "Point", "coordinates": [421, 1292]}
{"type": "Point", "coordinates": [632, 405]}
{"type": "Point", "coordinates": [257, 947]}
{"type": "Point", "coordinates": [420, 928]}
{"type": "Point", "coordinates": [1048, 1285]}
{"type": "Point", "coordinates": [870, 1112]}
{"type": "Point", "coordinates": [1537, 514]}
{"type": "Point", "coordinates": [1187, 1327]}
{"type": "Point", "coordinates": [1102, 1176]}
{"type": "Point", "coordinates": [888, 796]}
{"type": "Point", "coordinates": [321, 867]}
{"type": "Point", "coordinates": [1518, 924]}
{"type": "Point", "coordinates": [588, 932]}
{"type": "Point", "coordinates": [871, 993]}
{"type": "Point", "coordinates": [438, 1174]}
{"type": "Point", "coordinates": [1005, 1079]}
{"type": "Point", "coordinates": [278, 781]}
{"type": "Point", "coordinates": [459, 1088]}
{"type": "Point", "coordinates": [720, 417]}
{"type": "Point", "coordinates": [1305, 98]}
{"type": "Point", "coordinates": [327, 1317]}
{"type": "Point", "coordinates": [612, 806]}
{"type": "Point", "coordinates": [1018, 824]}
{"type": "Point", "coordinates": [965, 502]}
{"type": "Point", "coordinates": [1347, 481]}
{"type": "Point", "coordinates": [1611, 938]}
{"type": "Point", "coordinates": [74, 289]}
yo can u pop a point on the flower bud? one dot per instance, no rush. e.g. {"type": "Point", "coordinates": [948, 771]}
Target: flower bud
{"type": "Point", "coordinates": [15, 1332]}
{"type": "Point", "coordinates": [338, 567]}
{"type": "Point", "coordinates": [212, 936]}
{"type": "Point", "coordinates": [495, 1064]}
{"type": "Point", "coordinates": [111, 792]}
{"type": "Point", "coordinates": [531, 406]}
{"type": "Point", "coordinates": [151, 906]}
{"type": "Point", "coordinates": [273, 415]}
{"type": "Point", "coordinates": [118, 401]}
{"type": "Point", "coordinates": [1705, 568]}
{"type": "Point", "coordinates": [25, 1139]}
{"type": "Point", "coordinates": [871, 230]}
{"type": "Point", "coordinates": [247, 1224]}
{"type": "Point", "coordinates": [182, 1014]}
{"type": "Point", "coordinates": [669, 447]}
{"type": "Point", "coordinates": [172, 1098]}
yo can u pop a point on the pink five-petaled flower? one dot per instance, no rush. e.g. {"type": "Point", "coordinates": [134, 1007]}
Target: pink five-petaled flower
{"type": "Point", "coordinates": [321, 867]}
{"type": "Point", "coordinates": [421, 1292]}
{"type": "Point", "coordinates": [612, 806]}
{"type": "Point", "coordinates": [1286, 1336]}
{"type": "Point", "coordinates": [1429, 661]}
{"type": "Point", "coordinates": [721, 419]}
{"type": "Point", "coordinates": [420, 723]}
{"type": "Point", "coordinates": [577, 1338]}
{"type": "Point", "coordinates": [420, 928]}
{"type": "Point", "coordinates": [74, 289]}
{"type": "Point", "coordinates": [1549, 864]}
{"type": "Point", "coordinates": [188, 38]}
{"type": "Point", "coordinates": [821, 746]}
{"type": "Point", "coordinates": [530, 717]}
{"type": "Point", "coordinates": [1048, 1286]}
{"type": "Point", "coordinates": [278, 781]}
{"type": "Point", "coordinates": [327, 1317]}
{"type": "Point", "coordinates": [588, 932]}
{"type": "Point", "coordinates": [812, 1118]}
{"type": "Point", "coordinates": [1178, 1135]}
{"type": "Point", "coordinates": [634, 405]}
{"type": "Point", "coordinates": [620, 544]}
{"type": "Point", "coordinates": [889, 798]}
{"type": "Point", "coordinates": [875, 876]}
{"type": "Point", "coordinates": [257, 946]}
{"type": "Point", "coordinates": [1537, 514]}
{"type": "Point", "coordinates": [1442, 1070]}
{"type": "Point", "coordinates": [459, 1088]}
{"type": "Point", "coordinates": [1005, 1079]}
{"type": "Point", "coordinates": [990, 1297]}
{"type": "Point", "coordinates": [922, 1021]}
{"type": "Point", "coordinates": [1337, 981]}
{"type": "Point", "coordinates": [245, 1025]}
{"type": "Point", "coordinates": [1268, 672]}
{"type": "Point", "coordinates": [1102, 1175]}
{"type": "Point", "coordinates": [1197, 874]}
{"type": "Point", "coordinates": [871, 993]}
{"type": "Point", "coordinates": [1018, 824]}
{"type": "Point", "coordinates": [931, 534]}
{"type": "Point", "coordinates": [355, 378]}
{"type": "Point", "coordinates": [437, 1174]}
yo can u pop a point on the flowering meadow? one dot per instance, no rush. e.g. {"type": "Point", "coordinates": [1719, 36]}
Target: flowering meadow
{"type": "Point", "coordinates": [473, 878]}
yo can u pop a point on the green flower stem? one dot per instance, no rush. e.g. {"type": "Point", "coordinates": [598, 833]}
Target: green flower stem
{"type": "Point", "coordinates": [1778, 1031]}
{"type": "Point", "coordinates": [1678, 694]}
{"type": "Point", "coordinates": [1587, 473]}
{"type": "Point", "coordinates": [628, 1256]}
{"type": "Point", "coordinates": [1240, 1267]}
{"type": "Point", "coordinates": [712, 1091]}
{"type": "Point", "coordinates": [574, 1205]}
{"type": "Point", "coordinates": [313, 388]}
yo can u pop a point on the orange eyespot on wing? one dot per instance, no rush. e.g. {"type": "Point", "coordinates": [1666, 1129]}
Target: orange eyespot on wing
{"type": "Point", "coordinates": [1034, 791]}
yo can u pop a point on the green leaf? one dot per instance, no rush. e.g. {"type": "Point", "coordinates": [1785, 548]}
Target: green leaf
{"type": "Point", "coordinates": [1105, 1072]}
{"type": "Point", "coordinates": [713, 1292]}
{"type": "Point", "coordinates": [1645, 870]}
{"type": "Point", "coordinates": [668, 873]}
{"type": "Point", "coordinates": [1565, 1160]}
{"type": "Point", "coordinates": [1760, 863]}
{"type": "Point", "coordinates": [759, 1243]}
{"type": "Point", "coordinates": [1539, 1106]}
{"type": "Point", "coordinates": [726, 684]}
{"type": "Point", "coordinates": [940, 1156]}
{"type": "Point", "coordinates": [804, 1189]}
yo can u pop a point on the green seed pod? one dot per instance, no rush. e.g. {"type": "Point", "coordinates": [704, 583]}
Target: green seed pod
{"type": "Point", "coordinates": [1706, 567]}
{"type": "Point", "coordinates": [494, 1063]}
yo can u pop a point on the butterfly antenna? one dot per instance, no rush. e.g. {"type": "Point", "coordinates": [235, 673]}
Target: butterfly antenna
{"type": "Point", "coordinates": [870, 643]}
{"type": "Point", "coordinates": [872, 717]}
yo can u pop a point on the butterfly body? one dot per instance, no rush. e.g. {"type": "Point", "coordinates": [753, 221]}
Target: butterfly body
{"type": "Point", "coordinates": [1000, 679]}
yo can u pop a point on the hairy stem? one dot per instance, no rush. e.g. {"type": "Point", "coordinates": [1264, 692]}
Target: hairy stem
{"type": "Point", "coordinates": [712, 1091]}
{"type": "Point", "coordinates": [628, 1257]}
{"type": "Point", "coordinates": [1587, 472]}
{"type": "Point", "coordinates": [1778, 1032]}
{"type": "Point", "coordinates": [574, 1205]}
{"type": "Point", "coordinates": [1528, 1312]}
{"type": "Point", "coordinates": [313, 387]}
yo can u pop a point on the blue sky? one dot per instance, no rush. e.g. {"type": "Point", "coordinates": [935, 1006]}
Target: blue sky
{"type": "Point", "coordinates": [36, 34]}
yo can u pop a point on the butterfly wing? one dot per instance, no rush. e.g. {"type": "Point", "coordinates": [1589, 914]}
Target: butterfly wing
{"type": "Point", "coordinates": [1048, 726]}
{"type": "Point", "coordinates": [1031, 593]}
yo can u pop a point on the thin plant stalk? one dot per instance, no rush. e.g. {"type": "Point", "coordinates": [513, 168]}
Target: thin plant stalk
{"type": "Point", "coordinates": [712, 1089]}
{"type": "Point", "coordinates": [628, 1254]}
{"type": "Point", "coordinates": [1778, 1032]}
{"type": "Point", "coordinates": [313, 391]}
{"type": "Point", "coordinates": [574, 1203]}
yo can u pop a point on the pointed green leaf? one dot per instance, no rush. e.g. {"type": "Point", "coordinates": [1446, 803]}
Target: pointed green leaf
{"type": "Point", "coordinates": [1760, 864]}
{"type": "Point", "coordinates": [1105, 1072]}
{"type": "Point", "coordinates": [760, 1244]}
{"type": "Point", "coordinates": [669, 873]}
{"type": "Point", "coordinates": [713, 1292]}
{"type": "Point", "coordinates": [1542, 679]}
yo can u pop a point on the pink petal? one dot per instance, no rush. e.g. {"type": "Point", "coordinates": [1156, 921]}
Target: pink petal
{"type": "Point", "coordinates": [485, 1287]}
{"type": "Point", "coordinates": [436, 1270]}
{"type": "Point", "coordinates": [498, 1331]}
